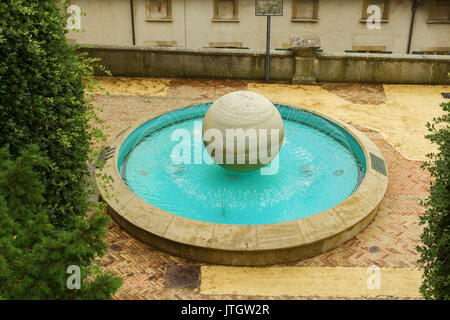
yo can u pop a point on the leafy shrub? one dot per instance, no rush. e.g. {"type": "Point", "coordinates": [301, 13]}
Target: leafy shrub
{"type": "Point", "coordinates": [46, 220]}
{"type": "Point", "coordinates": [435, 251]}
{"type": "Point", "coordinates": [42, 101]}
{"type": "Point", "coordinates": [34, 255]}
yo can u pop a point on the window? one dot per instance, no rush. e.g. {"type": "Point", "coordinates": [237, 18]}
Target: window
{"type": "Point", "coordinates": [368, 49]}
{"type": "Point", "coordinates": [305, 10]}
{"type": "Point", "coordinates": [382, 4]}
{"type": "Point", "coordinates": [437, 50]}
{"type": "Point", "coordinates": [228, 45]}
{"type": "Point", "coordinates": [160, 43]}
{"type": "Point", "coordinates": [439, 12]}
{"type": "Point", "coordinates": [158, 10]}
{"type": "Point", "coordinates": [226, 10]}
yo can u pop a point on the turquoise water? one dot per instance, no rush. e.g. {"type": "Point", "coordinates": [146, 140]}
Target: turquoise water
{"type": "Point", "coordinates": [320, 165]}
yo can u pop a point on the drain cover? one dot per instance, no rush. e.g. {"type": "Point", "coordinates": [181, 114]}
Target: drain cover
{"type": "Point", "coordinates": [143, 173]}
{"type": "Point", "coordinates": [232, 176]}
{"type": "Point", "coordinates": [306, 169]}
{"type": "Point", "coordinates": [115, 247]}
{"type": "Point", "coordinates": [373, 249]}
{"type": "Point", "coordinates": [106, 153]}
{"type": "Point", "coordinates": [446, 95]}
{"type": "Point", "coordinates": [338, 173]}
{"type": "Point", "coordinates": [187, 277]}
{"type": "Point", "coordinates": [378, 164]}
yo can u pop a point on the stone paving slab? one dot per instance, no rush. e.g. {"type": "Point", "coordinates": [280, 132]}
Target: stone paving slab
{"type": "Point", "coordinates": [348, 282]}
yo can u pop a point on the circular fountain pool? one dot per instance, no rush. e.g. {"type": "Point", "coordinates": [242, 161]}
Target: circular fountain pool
{"type": "Point", "coordinates": [321, 190]}
{"type": "Point", "coordinates": [319, 166]}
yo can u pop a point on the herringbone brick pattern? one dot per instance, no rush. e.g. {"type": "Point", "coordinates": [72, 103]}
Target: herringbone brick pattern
{"type": "Point", "coordinates": [395, 230]}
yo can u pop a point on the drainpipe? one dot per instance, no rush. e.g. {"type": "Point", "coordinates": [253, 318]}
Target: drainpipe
{"type": "Point", "coordinates": [416, 3]}
{"type": "Point", "coordinates": [132, 22]}
{"type": "Point", "coordinates": [185, 24]}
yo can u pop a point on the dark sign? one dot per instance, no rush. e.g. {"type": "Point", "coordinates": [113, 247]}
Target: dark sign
{"type": "Point", "coordinates": [269, 7]}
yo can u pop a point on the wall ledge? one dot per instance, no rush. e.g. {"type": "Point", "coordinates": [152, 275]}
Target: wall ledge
{"type": "Point", "coordinates": [385, 57]}
{"type": "Point", "coordinates": [179, 50]}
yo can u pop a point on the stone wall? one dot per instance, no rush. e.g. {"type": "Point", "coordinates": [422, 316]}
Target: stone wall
{"type": "Point", "coordinates": [249, 65]}
{"type": "Point", "coordinates": [382, 68]}
{"type": "Point", "coordinates": [339, 26]}
{"type": "Point", "coordinates": [192, 63]}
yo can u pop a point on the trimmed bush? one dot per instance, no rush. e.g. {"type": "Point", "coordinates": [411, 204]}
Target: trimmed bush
{"type": "Point", "coordinates": [435, 248]}
{"type": "Point", "coordinates": [34, 255]}
{"type": "Point", "coordinates": [42, 101]}
{"type": "Point", "coordinates": [46, 221]}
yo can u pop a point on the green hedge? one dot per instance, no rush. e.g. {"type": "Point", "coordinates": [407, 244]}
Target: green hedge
{"type": "Point", "coordinates": [42, 101]}
{"type": "Point", "coordinates": [34, 255]}
{"type": "Point", "coordinates": [46, 220]}
{"type": "Point", "coordinates": [435, 248]}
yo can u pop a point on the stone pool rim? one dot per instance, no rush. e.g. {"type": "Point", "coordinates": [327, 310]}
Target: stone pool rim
{"type": "Point", "coordinates": [243, 244]}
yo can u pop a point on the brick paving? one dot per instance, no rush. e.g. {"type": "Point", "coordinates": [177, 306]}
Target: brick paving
{"type": "Point", "coordinates": [395, 229]}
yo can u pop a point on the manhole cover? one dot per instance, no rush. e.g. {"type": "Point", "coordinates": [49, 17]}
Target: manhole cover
{"type": "Point", "coordinates": [116, 247]}
{"type": "Point", "coordinates": [187, 277]}
{"type": "Point", "coordinates": [446, 95]}
{"type": "Point", "coordinates": [373, 249]}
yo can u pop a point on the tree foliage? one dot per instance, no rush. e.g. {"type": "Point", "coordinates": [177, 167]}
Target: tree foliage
{"type": "Point", "coordinates": [435, 248]}
{"type": "Point", "coordinates": [34, 255]}
{"type": "Point", "coordinates": [47, 222]}
{"type": "Point", "coordinates": [42, 101]}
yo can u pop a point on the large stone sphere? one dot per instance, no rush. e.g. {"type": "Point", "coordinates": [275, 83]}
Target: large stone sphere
{"type": "Point", "coordinates": [244, 110]}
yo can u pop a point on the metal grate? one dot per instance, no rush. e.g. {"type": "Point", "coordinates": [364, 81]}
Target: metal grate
{"type": "Point", "coordinates": [106, 153]}
{"type": "Point", "coordinates": [446, 95]}
{"type": "Point", "coordinates": [378, 164]}
{"type": "Point", "coordinates": [187, 277]}
{"type": "Point", "coordinates": [115, 247]}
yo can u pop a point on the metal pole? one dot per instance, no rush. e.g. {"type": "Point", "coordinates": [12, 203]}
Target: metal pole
{"type": "Point", "coordinates": [132, 22]}
{"type": "Point", "coordinates": [268, 49]}
{"type": "Point", "coordinates": [416, 3]}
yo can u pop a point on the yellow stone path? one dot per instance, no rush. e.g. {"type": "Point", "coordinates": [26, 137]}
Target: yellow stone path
{"type": "Point", "coordinates": [348, 282]}
{"type": "Point", "coordinates": [132, 86]}
{"type": "Point", "coordinates": [401, 119]}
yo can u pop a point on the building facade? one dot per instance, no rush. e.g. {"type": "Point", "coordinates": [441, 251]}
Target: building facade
{"type": "Point", "coordinates": [341, 25]}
